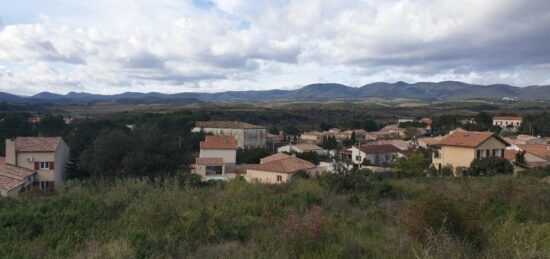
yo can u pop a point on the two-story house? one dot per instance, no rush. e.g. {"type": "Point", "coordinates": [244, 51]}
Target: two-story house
{"type": "Point", "coordinates": [247, 135]}
{"type": "Point", "coordinates": [460, 148]}
{"type": "Point", "coordinates": [35, 162]}
{"type": "Point", "coordinates": [217, 158]}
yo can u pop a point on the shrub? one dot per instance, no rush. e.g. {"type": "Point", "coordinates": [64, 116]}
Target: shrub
{"type": "Point", "coordinates": [437, 214]}
{"type": "Point", "coordinates": [490, 166]}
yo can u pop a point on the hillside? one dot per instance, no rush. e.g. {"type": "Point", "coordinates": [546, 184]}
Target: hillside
{"type": "Point", "coordinates": [427, 91]}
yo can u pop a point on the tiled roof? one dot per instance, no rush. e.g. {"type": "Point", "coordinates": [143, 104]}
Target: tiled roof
{"type": "Point", "coordinates": [380, 149]}
{"type": "Point", "coordinates": [469, 139]}
{"type": "Point", "coordinates": [227, 125]}
{"type": "Point", "coordinates": [36, 144]}
{"type": "Point", "coordinates": [219, 142]}
{"type": "Point", "coordinates": [307, 147]}
{"type": "Point", "coordinates": [508, 118]}
{"type": "Point", "coordinates": [542, 151]}
{"type": "Point", "coordinates": [274, 157]}
{"type": "Point", "coordinates": [510, 155]}
{"type": "Point", "coordinates": [13, 171]}
{"type": "Point", "coordinates": [209, 161]}
{"type": "Point", "coordinates": [286, 165]}
{"type": "Point", "coordinates": [398, 143]}
{"type": "Point", "coordinates": [9, 183]}
{"type": "Point", "coordinates": [431, 140]}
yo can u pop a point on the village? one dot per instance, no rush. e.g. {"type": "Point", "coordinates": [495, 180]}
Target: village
{"type": "Point", "coordinates": [39, 163]}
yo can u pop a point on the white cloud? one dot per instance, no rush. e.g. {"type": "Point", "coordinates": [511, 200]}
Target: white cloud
{"type": "Point", "coordinates": [173, 46]}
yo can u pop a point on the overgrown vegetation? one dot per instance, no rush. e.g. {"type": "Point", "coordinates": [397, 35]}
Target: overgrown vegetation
{"type": "Point", "coordinates": [338, 216]}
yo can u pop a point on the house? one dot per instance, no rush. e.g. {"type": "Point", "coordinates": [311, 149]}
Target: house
{"type": "Point", "coordinates": [460, 148]}
{"type": "Point", "coordinates": [526, 140]}
{"type": "Point", "coordinates": [278, 168]}
{"type": "Point", "coordinates": [246, 134]}
{"type": "Point", "coordinates": [393, 131]}
{"type": "Point", "coordinates": [313, 136]}
{"type": "Point", "coordinates": [33, 162]}
{"type": "Point", "coordinates": [398, 143]}
{"type": "Point", "coordinates": [378, 154]}
{"type": "Point", "coordinates": [302, 148]}
{"type": "Point", "coordinates": [535, 155]}
{"type": "Point", "coordinates": [507, 121]}
{"type": "Point", "coordinates": [217, 157]}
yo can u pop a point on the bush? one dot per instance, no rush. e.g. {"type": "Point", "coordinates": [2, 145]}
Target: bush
{"type": "Point", "coordinates": [490, 166]}
{"type": "Point", "coordinates": [437, 214]}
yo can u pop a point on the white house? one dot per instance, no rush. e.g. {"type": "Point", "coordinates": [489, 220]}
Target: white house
{"type": "Point", "coordinates": [507, 121]}
{"type": "Point", "coordinates": [303, 148]}
{"type": "Point", "coordinates": [217, 157]}
{"type": "Point", "coordinates": [383, 154]}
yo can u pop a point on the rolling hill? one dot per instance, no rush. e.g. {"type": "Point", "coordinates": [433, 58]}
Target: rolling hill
{"type": "Point", "coordinates": [427, 91]}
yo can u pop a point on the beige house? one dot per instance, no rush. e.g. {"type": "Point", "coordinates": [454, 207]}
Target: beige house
{"type": "Point", "coordinates": [278, 168]}
{"type": "Point", "coordinates": [247, 135]}
{"type": "Point", "coordinates": [217, 157]}
{"type": "Point", "coordinates": [35, 162]}
{"type": "Point", "coordinates": [460, 148]}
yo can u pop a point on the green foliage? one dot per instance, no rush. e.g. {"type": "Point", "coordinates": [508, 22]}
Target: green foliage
{"type": "Point", "coordinates": [312, 157]}
{"type": "Point", "coordinates": [329, 142]}
{"type": "Point", "coordinates": [350, 214]}
{"type": "Point", "coordinates": [291, 130]}
{"type": "Point", "coordinates": [51, 126]}
{"type": "Point", "coordinates": [366, 124]}
{"type": "Point", "coordinates": [536, 124]}
{"type": "Point", "coordinates": [251, 155]}
{"type": "Point", "coordinates": [490, 166]}
{"type": "Point", "coordinates": [414, 165]}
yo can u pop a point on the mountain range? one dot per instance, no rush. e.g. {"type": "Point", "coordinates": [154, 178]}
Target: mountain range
{"type": "Point", "coordinates": [427, 91]}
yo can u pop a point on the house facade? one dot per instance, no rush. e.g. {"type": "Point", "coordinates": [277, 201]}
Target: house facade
{"type": "Point", "coordinates": [217, 158]}
{"type": "Point", "coordinates": [36, 162]}
{"type": "Point", "coordinates": [383, 154]}
{"type": "Point", "coordinates": [247, 135]}
{"type": "Point", "coordinates": [460, 148]}
{"type": "Point", "coordinates": [278, 168]}
{"type": "Point", "coordinates": [507, 121]}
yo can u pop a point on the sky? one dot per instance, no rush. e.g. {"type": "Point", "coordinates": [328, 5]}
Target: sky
{"type": "Point", "coordinates": [169, 46]}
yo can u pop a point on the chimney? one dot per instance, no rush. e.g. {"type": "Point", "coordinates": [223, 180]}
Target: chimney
{"type": "Point", "coordinates": [11, 157]}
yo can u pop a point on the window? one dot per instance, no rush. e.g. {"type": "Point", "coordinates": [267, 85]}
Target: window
{"type": "Point", "coordinates": [358, 158]}
{"type": "Point", "coordinates": [495, 152]}
{"type": "Point", "coordinates": [44, 185]}
{"type": "Point", "coordinates": [44, 165]}
{"type": "Point", "coordinates": [502, 153]}
{"type": "Point", "coordinates": [279, 178]}
{"type": "Point", "coordinates": [487, 153]}
{"type": "Point", "coordinates": [478, 154]}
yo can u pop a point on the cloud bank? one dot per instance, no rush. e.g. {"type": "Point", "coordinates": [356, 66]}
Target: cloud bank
{"type": "Point", "coordinates": [216, 45]}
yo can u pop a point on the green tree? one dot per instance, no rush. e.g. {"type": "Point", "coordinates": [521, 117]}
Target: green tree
{"type": "Point", "coordinates": [415, 164]}
{"type": "Point", "coordinates": [490, 166]}
{"type": "Point", "coordinates": [51, 126]}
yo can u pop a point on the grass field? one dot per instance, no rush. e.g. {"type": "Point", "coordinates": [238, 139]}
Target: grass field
{"type": "Point", "coordinates": [491, 217]}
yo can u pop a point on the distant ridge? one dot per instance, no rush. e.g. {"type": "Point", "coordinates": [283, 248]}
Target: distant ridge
{"type": "Point", "coordinates": [427, 91]}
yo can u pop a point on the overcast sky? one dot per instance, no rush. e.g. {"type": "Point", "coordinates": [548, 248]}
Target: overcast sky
{"type": "Point", "coordinates": [113, 46]}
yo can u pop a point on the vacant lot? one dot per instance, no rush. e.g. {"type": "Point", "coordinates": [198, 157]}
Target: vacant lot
{"type": "Point", "coordinates": [362, 216]}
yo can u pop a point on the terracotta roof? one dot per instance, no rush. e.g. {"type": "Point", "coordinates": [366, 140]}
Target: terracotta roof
{"type": "Point", "coordinates": [9, 183]}
{"type": "Point", "coordinates": [274, 157]}
{"type": "Point", "coordinates": [431, 140]}
{"type": "Point", "coordinates": [209, 161]}
{"type": "Point", "coordinates": [469, 139]}
{"type": "Point", "coordinates": [219, 142]}
{"type": "Point", "coordinates": [13, 171]}
{"type": "Point", "coordinates": [542, 151]}
{"type": "Point", "coordinates": [510, 155]}
{"type": "Point", "coordinates": [398, 143]}
{"type": "Point", "coordinates": [227, 125]}
{"type": "Point", "coordinates": [37, 144]}
{"type": "Point", "coordinates": [307, 147]}
{"type": "Point", "coordinates": [380, 149]}
{"type": "Point", "coordinates": [286, 165]}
